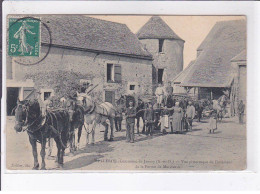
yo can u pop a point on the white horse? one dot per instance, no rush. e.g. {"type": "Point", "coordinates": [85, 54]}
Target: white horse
{"type": "Point", "coordinates": [103, 113]}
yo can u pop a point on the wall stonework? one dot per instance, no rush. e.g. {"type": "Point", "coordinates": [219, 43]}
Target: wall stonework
{"type": "Point", "coordinates": [171, 57]}
{"type": "Point", "coordinates": [90, 65]}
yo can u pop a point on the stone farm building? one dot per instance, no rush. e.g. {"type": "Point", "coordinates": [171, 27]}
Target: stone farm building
{"type": "Point", "coordinates": [165, 46]}
{"type": "Point", "coordinates": [221, 59]}
{"type": "Point", "coordinates": [107, 54]}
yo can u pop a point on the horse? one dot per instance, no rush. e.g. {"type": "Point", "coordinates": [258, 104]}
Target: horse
{"type": "Point", "coordinates": [94, 114]}
{"type": "Point", "coordinates": [55, 124]}
{"type": "Point", "coordinates": [76, 113]}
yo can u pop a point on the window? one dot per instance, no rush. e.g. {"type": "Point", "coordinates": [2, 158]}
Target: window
{"type": "Point", "coordinates": [161, 45]}
{"type": "Point", "coordinates": [110, 73]}
{"type": "Point", "coordinates": [114, 73]}
{"type": "Point", "coordinates": [46, 95]}
{"type": "Point", "coordinates": [160, 76]}
{"type": "Point", "coordinates": [132, 87]}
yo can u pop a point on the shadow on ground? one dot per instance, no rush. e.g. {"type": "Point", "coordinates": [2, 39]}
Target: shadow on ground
{"type": "Point", "coordinates": [100, 147]}
{"type": "Point", "coordinates": [81, 162]}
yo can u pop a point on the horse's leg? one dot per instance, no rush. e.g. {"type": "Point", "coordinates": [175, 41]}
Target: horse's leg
{"type": "Point", "coordinates": [143, 131]}
{"type": "Point", "coordinates": [72, 141]}
{"type": "Point", "coordinates": [58, 149]}
{"type": "Point", "coordinates": [79, 135]}
{"type": "Point", "coordinates": [62, 149]}
{"type": "Point", "coordinates": [87, 134]}
{"type": "Point", "coordinates": [106, 130]}
{"type": "Point", "coordinates": [112, 128]}
{"type": "Point", "coordinates": [43, 144]}
{"type": "Point", "coordinates": [93, 132]}
{"type": "Point", "coordinates": [34, 151]}
{"type": "Point", "coordinates": [138, 124]}
{"type": "Point", "coordinates": [50, 143]}
{"type": "Point", "coordinates": [61, 157]}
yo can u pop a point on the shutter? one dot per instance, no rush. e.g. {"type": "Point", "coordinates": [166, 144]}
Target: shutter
{"type": "Point", "coordinates": [28, 93]}
{"type": "Point", "coordinates": [118, 77]}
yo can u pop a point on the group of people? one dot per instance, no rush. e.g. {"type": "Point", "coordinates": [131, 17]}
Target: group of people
{"type": "Point", "coordinates": [172, 115]}
{"type": "Point", "coordinates": [169, 113]}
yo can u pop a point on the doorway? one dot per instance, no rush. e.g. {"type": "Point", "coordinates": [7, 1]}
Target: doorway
{"type": "Point", "coordinates": [110, 96]}
{"type": "Point", "coordinates": [160, 76]}
{"type": "Point", "coordinates": [12, 96]}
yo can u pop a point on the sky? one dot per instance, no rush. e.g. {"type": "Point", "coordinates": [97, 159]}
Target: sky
{"type": "Point", "coordinates": [192, 29]}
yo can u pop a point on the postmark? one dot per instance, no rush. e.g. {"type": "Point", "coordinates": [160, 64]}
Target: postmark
{"type": "Point", "coordinates": [29, 60]}
{"type": "Point", "coordinates": [24, 37]}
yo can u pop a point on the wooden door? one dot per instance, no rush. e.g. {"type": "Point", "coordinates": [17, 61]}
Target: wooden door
{"type": "Point", "coordinates": [110, 96]}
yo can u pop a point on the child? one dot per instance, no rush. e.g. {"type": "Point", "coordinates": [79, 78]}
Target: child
{"type": "Point", "coordinates": [149, 116]}
{"type": "Point", "coordinates": [213, 121]}
{"type": "Point", "coordinates": [164, 120]}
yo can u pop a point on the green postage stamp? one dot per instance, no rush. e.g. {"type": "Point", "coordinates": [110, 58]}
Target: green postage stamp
{"type": "Point", "coordinates": [24, 37]}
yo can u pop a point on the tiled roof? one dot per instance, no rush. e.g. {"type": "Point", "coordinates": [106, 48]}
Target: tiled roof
{"type": "Point", "coordinates": [212, 68]}
{"type": "Point", "coordinates": [91, 34]}
{"type": "Point", "coordinates": [181, 76]}
{"type": "Point", "coordinates": [240, 57]}
{"type": "Point", "coordinates": [156, 28]}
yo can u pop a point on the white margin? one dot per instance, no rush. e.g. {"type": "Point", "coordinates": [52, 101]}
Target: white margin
{"type": "Point", "coordinates": [245, 180]}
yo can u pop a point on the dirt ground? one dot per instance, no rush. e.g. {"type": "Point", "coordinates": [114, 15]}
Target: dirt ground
{"type": "Point", "coordinates": [196, 150]}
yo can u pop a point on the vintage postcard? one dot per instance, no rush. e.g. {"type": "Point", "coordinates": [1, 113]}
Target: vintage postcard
{"type": "Point", "coordinates": [126, 92]}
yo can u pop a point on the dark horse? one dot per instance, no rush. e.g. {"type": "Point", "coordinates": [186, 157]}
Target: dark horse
{"type": "Point", "coordinates": [76, 113]}
{"type": "Point", "coordinates": [55, 125]}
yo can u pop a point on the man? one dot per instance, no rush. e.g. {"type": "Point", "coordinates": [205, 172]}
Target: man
{"type": "Point", "coordinates": [43, 104]}
{"type": "Point", "coordinates": [130, 122]}
{"type": "Point", "coordinates": [241, 110]}
{"type": "Point", "coordinates": [199, 110]}
{"type": "Point", "coordinates": [169, 89]}
{"type": "Point", "coordinates": [118, 117]}
{"type": "Point", "coordinates": [159, 92]}
{"type": "Point", "coordinates": [149, 119]}
{"type": "Point", "coordinates": [190, 114]}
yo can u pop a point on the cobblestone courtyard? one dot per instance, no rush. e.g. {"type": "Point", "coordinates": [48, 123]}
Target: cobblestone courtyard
{"type": "Point", "coordinates": [196, 150]}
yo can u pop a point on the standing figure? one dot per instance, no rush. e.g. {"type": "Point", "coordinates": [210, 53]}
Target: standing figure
{"type": "Point", "coordinates": [159, 92]}
{"type": "Point", "coordinates": [190, 114]}
{"type": "Point", "coordinates": [176, 120]}
{"type": "Point", "coordinates": [241, 110]}
{"type": "Point", "coordinates": [164, 120]}
{"type": "Point", "coordinates": [213, 121]}
{"type": "Point", "coordinates": [130, 122]}
{"type": "Point", "coordinates": [21, 34]}
{"type": "Point", "coordinates": [118, 117]}
{"type": "Point", "coordinates": [149, 117]}
{"type": "Point", "coordinates": [169, 89]}
{"type": "Point", "coordinates": [199, 110]}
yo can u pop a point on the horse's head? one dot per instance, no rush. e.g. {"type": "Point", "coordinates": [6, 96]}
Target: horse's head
{"type": "Point", "coordinates": [25, 112]}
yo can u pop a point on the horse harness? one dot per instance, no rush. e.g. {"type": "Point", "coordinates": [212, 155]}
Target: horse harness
{"type": "Point", "coordinates": [42, 124]}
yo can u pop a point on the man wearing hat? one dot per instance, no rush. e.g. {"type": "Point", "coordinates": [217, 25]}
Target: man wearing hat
{"type": "Point", "coordinates": [130, 122]}
{"type": "Point", "coordinates": [190, 114]}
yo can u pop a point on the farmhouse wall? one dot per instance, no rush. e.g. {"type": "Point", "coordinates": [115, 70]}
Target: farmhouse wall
{"type": "Point", "coordinates": [171, 57]}
{"type": "Point", "coordinates": [91, 66]}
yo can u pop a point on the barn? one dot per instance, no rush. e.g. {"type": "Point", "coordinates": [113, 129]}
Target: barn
{"type": "Point", "coordinates": [239, 66]}
{"type": "Point", "coordinates": [211, 74]}
{"type": "Point", "coordinates": [82, 49]}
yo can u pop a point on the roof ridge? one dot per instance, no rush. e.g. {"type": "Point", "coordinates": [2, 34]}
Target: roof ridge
{"type": "Point", "coordinates": [156, 28]}
{"type": "Point", "coordinates": [104, 20]}
{"type": "Point", "coordinates": [89, 33]}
